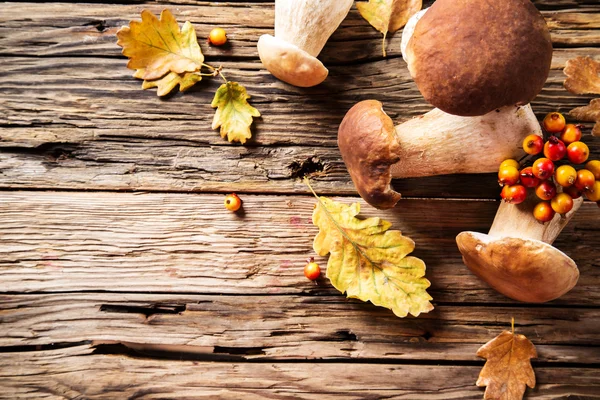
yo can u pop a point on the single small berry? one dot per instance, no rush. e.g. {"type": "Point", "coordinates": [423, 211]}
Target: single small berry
{"type": "Point", "coordinates": [571, 133]}
{"type": "Point", "coordinates": [508, 176]}
{"type": "Point", "coordinates": [232, 202]}
{"type": "Point", "coordinates": [543, 168]}
{"type": "Point", "coordinates": [593, 193]}
{"type": "Point", "coordinates": [217, 37]}
{"type": "Point", "coordinates": [509, 163]}
{"type": "Point", "coordinates": [528, 179]}
{"type": "Point", "coordinates": [555, 149]}
{"type": "Point", "coordinates": [565, 175]}
{"type": "Point", "coordinates": [312, 270]}
{"type": "Point", "coordinates": [594, 167]}
{"type": "Point", "coordinates": [578, 152]}
{"type": "Point", "coordinates": [554, 122]}
{"type": "Point", "coordinates": [562, 203]}
{"type": "Point", "coordinates": [543, 211]}
{"type": "Point", "coordinates": [546, 190]}
{"type": "Point", "coordinates": [533, 144]}
{"type": "Point", "coordinates": [515, 194]}
{"type": "Point", "coordinates": [573, 192]}
{"type": "Point", "coordinates": [585, 180]}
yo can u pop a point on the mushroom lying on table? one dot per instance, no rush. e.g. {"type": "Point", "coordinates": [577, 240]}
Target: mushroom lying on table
{"type": "Point", "coordinates": [302, 28]}
{"type": "Point", "coordinates": [517, 258]}
{"type": "Point", "coordinates": [476, 59]}
{"type": "Point", "coordinates": [436, 143]}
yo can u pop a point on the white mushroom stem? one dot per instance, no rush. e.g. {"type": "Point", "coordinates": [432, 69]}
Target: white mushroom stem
{"type": "Point", "coordinates": [438, 143]}
{"type": "Point", "coordinates": [517, 221]}
{"type": "Point", "coordinates": [302, 28]}
{"type": "Point", "coordinates": [308, 24]}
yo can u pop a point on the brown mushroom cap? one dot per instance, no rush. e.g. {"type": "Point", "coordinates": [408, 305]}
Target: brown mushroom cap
{"type": "Point", "coordinates": [470, 57]}
{"type": "Point", "coordinates": [522, 269]}
{"type": "Point", "coordinates": [367, 141]}
{"type": "Point", "coordinates": [290, 63]}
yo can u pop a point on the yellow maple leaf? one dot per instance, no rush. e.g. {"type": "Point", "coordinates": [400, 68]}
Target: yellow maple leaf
{"type": "Point", "coordinates": [159, 47]}
{"type": "Point", "coordinates": [234, 114]}
{"type": "Point", "coordinates": [368, 261]}
{"type": "Point", "coordinates": [168, 82]}
{"type": "Point", "coordinates": [388, 15]}
{"type": "Point", "coordinates": [508, 366]}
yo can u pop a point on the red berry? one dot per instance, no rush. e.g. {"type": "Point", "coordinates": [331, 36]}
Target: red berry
{"type": "Point", "coordinates": [585, 180]}
{"type": "Point", "coordinates": [571, 133]}
{"type": "Point", "coordinates": [578, 152]}
{"type": "Point", "coordinates": [232, 202]}
{"type": "Point", "coordinates": [533, 144]}
{"type": "Point", "coordinates": [543, 168]}
{"type": "Point", "coordinates": [554, 122]}
{"type": "Point", "coordinates": [515, 194]}
{"type": "Point", "coordinates": [312, 270]}
{"type": "Point", "coordinates": [555, 149]}
{"type": "Point", "coordinates": [508, 176]}
{"type": "Point", "coordinates": [528, 179]}
{"type": "Point", "coordinates": [546, 190]}
{"type": "Point", "coordinates": [543, 211]}
{"type": "Point", "coordinates": [573, 192]}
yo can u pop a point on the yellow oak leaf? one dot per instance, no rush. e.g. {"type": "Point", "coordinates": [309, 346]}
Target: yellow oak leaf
{"type": "Point", "coordinates": [508, 366]}
{"type": "Point", "coordinates": [234, 114]}
{"type": "Point", "coordinates": [583, 75]}
{"type": "Point", "coordinates": [368, 261]}
{"type": "Point", "coordinates": [388, 15]}
{"type": "Point", "coordinates": [168, 82]}
{"type": "Point", "coordinates": [589, 113]}
{"type": "Point", "coordinates": [159, 47]}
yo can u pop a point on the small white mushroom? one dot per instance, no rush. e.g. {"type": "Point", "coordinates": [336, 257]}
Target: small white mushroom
{"type": "Point", "coordinates": [436, 143]}
{"type": "Point", "coordinates": [302, 28]}
{"type": "Point", "coordinates": [517, 258]}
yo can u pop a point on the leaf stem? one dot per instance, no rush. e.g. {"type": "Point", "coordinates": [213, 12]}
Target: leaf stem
{"type": "Point", "coordinates": [215, 71]}
{"type": "Point", "coordinates": [512, 324]}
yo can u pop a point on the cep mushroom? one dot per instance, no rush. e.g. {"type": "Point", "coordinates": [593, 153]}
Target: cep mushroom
{"type": "Point", "coordinates": [517, 258]}
{"type": "Point", "coordinates": [436, 143]}
{"type": "Point", "coordinates": [480, 62]}
{"type": "Point", "coordinates": [470, 57]}
{"type": "Point", "coordinates": [302, 28]}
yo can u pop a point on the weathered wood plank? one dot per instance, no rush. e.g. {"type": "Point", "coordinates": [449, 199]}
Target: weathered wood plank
{"type": "Point", "coordinates": [69, 131]}
{"type": "Point", "coordinates": [190, 243]}
{"type": "Point", "coordinates": [78, 372]}
{"type": "Point", "coordinates": [291, 327]}
{"type": "Point", "coordinates": [54, 30]}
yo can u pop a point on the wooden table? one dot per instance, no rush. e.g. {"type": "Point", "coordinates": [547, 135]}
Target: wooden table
{"type": "Point", "coordinates": [122, 276]}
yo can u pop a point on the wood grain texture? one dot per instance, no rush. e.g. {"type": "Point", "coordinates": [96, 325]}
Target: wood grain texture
{"type": "Point", "coordinates": [190, 243]}
{"type": "Point", "coordinates": [266, 327]}
{"type": "Point", "coordinates": [80, 373]}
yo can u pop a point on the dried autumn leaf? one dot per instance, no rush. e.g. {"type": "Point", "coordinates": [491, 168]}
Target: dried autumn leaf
{"type": "Point", "coordinates": [388, 15]}
{"type": "Point", "coordinates": [234, 114]}
{"type": "Point", "coordinates": [368, 261]}
{"type": "Point", "coordinates": [583, 75]}
{"type": "Point", "coordinates": [590, 113]}
{"type": "Point", "coordinates": [508, 366]}
{"type": "Point", "coordinates": [168, 82]}
{"type": "Point", "coordinates": [159, 47]}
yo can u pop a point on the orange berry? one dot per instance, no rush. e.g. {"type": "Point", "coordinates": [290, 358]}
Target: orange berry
{"type": "Point", "coordinates": [217, 37]}
{"type": "Point", "coordinates": [593, 193]}
{"type": "Point", "coordinates": [232, 202]}
{"type": "Point", "coordinates": [565, 175]}
{"type": "Point", "coordinates": [594, 167]}
{"type": "Point", "coordinates": [312, 270]}
{"type": "Point", "coordinates": [571, 133]}
{"type": "Point", "coordinates": [554, 122]}
{"type": "Point", "coordinates": [543, 211]}
{"type": "Point", "coordinates": [533, 144]}
{"type": "Point", "coordinates": [509, 163]}
{"type": "Point", "coordinates": [562, 203]}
